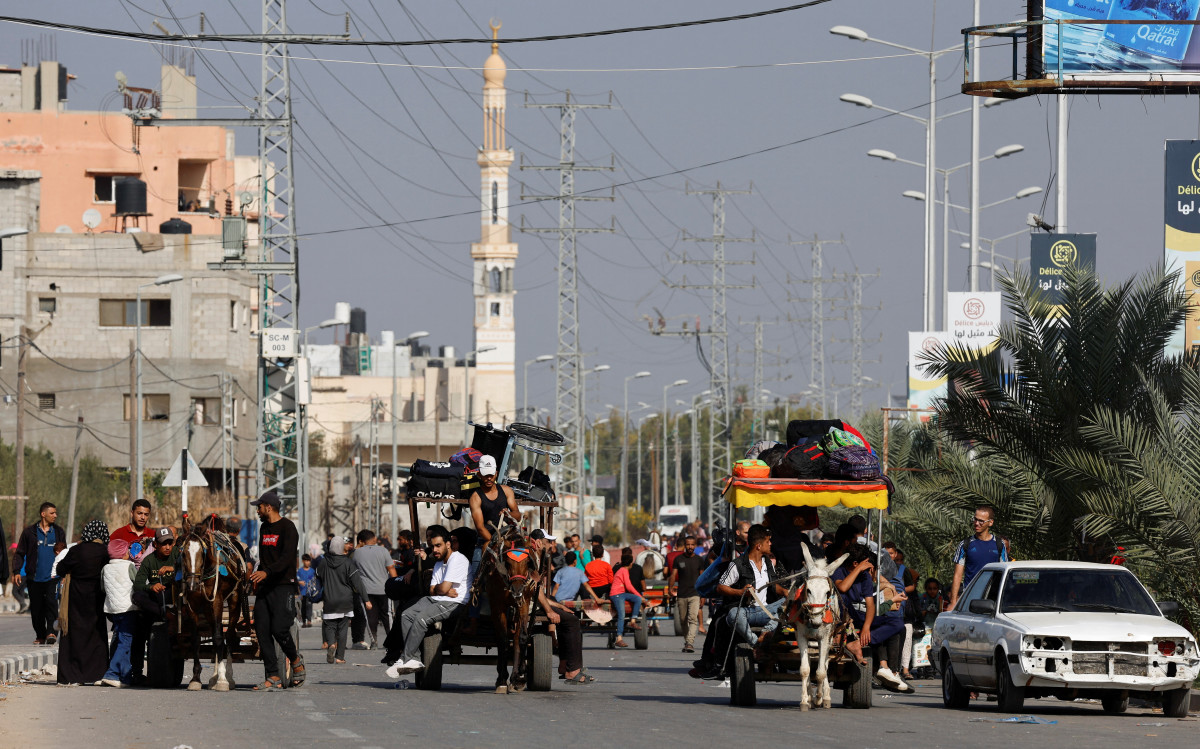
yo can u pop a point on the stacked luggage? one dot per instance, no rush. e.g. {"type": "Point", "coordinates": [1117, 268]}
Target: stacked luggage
{"type": "Point", "coordinates": [815, 449]}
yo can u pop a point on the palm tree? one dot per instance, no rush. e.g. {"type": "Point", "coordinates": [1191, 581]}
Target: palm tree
{"type": "Point", "coordinates": [1025, 404]}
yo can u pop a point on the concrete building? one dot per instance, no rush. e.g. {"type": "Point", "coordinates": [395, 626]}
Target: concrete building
{"type": "Point", "coordinates": [72, 282]}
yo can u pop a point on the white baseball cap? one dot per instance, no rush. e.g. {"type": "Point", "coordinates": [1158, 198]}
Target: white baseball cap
{"type": "Point", "coordinates": [540, 533]}
{"type": "Point", "coordinates": [487, 466]}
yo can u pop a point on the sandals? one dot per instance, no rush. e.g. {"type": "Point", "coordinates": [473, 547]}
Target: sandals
{"type": "Point", "coordinates": [298, 672]}
{"type": "Point", "coordinates": [272, 684]}
{"type": "Point", "coordinates": [51, 639]}
{"type": "Point", "coordinates": [621, 644]}
{"type": "Point", "coordinates": [581, 679]}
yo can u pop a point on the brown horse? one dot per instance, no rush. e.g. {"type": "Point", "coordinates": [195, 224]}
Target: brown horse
{"type": "Point", "coordinates": [214, 575]}
{"type": "Point", "coordinates": [511, 561]}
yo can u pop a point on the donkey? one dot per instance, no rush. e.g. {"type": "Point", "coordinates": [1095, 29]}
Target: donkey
{"type": "Point", "coordinates": [820, 614]}
{"type": "Point", "coordinates": [511, 590]}
{"type": "Point", "coordinates": [214, 575]}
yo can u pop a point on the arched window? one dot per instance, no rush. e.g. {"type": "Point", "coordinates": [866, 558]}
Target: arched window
{"type": "Point", "coordinates": [495, 280]}
{"type": "Point", "coordinates": [495, 203]}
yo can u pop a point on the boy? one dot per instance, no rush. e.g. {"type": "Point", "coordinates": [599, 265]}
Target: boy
{"type": "Point", "coordinates": [305, 576]}
{"type": "Point", "coordinates": [117, 579]}
{"type": "Point", "coordinates": [340, 579]}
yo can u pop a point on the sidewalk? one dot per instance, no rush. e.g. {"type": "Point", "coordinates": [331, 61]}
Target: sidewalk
{"type": "Point", "coordinates": [17, 658]}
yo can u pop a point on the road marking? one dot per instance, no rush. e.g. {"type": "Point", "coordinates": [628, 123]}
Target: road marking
{"type": "Point", "coordinates": [344, 733]}
{"type": "Point", "coordinates": [318, 717]}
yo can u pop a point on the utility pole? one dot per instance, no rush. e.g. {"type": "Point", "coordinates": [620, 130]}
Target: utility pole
{"type": "Point", "coordinates": [720, 415]}
{"type": "Point", "coordinates": [22, 362]}
{"type": "Point", "coordinates": [226, 431]}
{"type": "Point", "coordinates": [817, 316]}
{"type": "Point", "coordinates": [74, 479]}
{"type": "Point", "coordinates": [373, 478]}
{"type": "Point", "coordinates": [759, 425]}
{"type": "Point", "coordinates": [134, 478]}
{"type": "Point", "coordinates": [569, 409]}
{"type": "Point", "coordinates": [856, 341]}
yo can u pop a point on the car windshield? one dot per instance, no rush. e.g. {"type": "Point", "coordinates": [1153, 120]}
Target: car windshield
{"type": "Point", "coordinates": [1115, 590]}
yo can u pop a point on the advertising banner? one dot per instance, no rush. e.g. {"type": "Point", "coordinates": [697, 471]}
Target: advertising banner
{"type": "Point", "coordinates": [1134, 50]}
{"type": "Point", "coordinates": [975, 318]}
{"type": "Point", "coordinates": [1182, 230]}
{"type": "Point", "coordinates": [924, 388]}
{"type": "Point", "coordinates": [1049, 254]}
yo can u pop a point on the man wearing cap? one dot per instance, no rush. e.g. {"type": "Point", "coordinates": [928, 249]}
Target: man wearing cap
{"type": "Point", "coordinates": [151, 591]}
{"type": "Point", "coordinates": [275, 591]}
{"type": "Point", "coordinates": [491, 501]}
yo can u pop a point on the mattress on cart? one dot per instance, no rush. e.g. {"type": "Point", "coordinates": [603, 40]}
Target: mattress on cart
{"type": "Point", "coordinates": [749, 492]}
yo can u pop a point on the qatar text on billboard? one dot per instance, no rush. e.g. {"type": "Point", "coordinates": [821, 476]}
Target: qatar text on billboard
{"type": "Point", "coordinates": [1130, 39]}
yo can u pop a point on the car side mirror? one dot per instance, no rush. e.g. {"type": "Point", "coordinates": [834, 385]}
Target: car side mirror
{"type": "Point", "coordinates": [984, 606]}
{"type": "Point", "coordinates": [1168, 608]}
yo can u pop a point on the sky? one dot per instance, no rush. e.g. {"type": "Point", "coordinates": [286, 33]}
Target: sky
{"type": "Point", "coordinates": [381, 142]}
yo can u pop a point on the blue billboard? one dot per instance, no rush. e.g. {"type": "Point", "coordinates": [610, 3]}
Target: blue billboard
{"type": "Point", "coordinates": [1145, 41]}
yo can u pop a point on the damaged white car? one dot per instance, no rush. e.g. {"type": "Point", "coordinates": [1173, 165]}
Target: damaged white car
{"type": "Point", "coordinates": [1063, 629]}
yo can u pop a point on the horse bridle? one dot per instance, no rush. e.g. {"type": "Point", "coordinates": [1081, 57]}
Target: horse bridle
{"type": "Point", "coordinates": [819, 608]}
{"type": "Point", "coordinates": [208, 543]}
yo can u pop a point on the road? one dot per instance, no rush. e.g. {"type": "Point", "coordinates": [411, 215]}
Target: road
{"type": "Point", "coordinates": [638, 698]}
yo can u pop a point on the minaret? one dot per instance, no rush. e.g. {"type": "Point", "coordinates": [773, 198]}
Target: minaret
{"type": "Point", "coordinates": [494, 256]}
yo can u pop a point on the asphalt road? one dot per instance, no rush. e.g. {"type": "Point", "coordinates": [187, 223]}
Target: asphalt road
{"type": "Point", "coordinates": [638, 698]}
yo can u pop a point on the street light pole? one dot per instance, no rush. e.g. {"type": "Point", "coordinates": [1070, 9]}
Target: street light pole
{"type": "Point", "coordinates": [641, 421]}
{"type": "Point", "coordinates": [972, 268]}
{"type": "Point", "coordinates": [412, 337]}
{"type": "Point", "coordinates": [160, 281]}
{"type": "Point", "coordinates": [623, 490]}
{"type": "Point", "coordinates": [666, 417]}
{"type": "Point", "coordinates": [525, 397]}
{"type": "Point", "coordinates": [696, 451]}
{"type": "Point", "coordinates": [467, 389]}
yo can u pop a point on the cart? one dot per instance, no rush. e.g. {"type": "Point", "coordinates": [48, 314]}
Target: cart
{"type": "Point", "coordinates": [445, 642]}
{"type": "Point", "coordinates": [783, 651]}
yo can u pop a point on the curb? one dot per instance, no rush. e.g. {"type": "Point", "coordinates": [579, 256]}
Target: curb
{"type": "Point", "coordinates": [11, 666]}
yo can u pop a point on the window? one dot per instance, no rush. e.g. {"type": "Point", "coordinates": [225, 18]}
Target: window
{"type": "Point", "coordinates": [233, 316]}
{"type": "Point", "coordinates": [495, 203]}
{"type": "Point", "coordinates": [979, 588]}
{"type": "Point", "coordinates": [495, 309]}
{"type": "Point", "coordinates": [122, 313]}
{"type": "Point", "coordinates": [193, 187]}
{"type": "Point", "coordinates": [104, 187]}
{"type": "Point", "coordinates": [155, 406]}
{"type": "Point", "coordinates": [495, 280]}
{"type": "Point", "coordinates": [48, 304]}
{"type": "Point", "coordinates": [206, 411]}
{"type": "Point", "coordinates": [46, 401]}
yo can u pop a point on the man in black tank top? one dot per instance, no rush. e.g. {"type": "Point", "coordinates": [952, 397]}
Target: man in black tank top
{"type": "Point", "coordinates": [491, 501]}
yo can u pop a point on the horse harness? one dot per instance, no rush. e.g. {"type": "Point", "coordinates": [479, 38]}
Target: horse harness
{"type": "Point", "coordinates": [221, 546]}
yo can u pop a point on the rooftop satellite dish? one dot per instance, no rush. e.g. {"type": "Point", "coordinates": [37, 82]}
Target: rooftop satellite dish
{"type": "Point", "coordinates": [64, 229]}
{"type": "Point", "coordinates": [246, 197]}
{"type": "Point", "coordinates": [91, 218]}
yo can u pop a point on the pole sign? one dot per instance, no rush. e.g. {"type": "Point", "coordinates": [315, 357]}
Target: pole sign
{"type": "Point", "coordinates": [974, 318]}
{"type": "Point", "coordinates": [1182, 231]}
{"type": "Point", "coordinates": [279, 343]}
{"type": "Point", "coordinates": [924, 387]}
{"type": "Point", "coordinates": [1050, 254]}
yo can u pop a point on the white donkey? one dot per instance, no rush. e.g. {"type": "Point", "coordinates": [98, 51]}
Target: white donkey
{"type": "Point", "coordinates": [820, 614]}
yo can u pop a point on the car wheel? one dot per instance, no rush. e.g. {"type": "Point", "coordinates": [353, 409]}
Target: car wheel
{"type": "Point", "coordinates": [1176, 702]}
{"type": "Point", "coordinates": [1009, 697]}
{"type": "Point", "coordinates": [1115, 702]}
{"type": "Point", "coordinates": [954, 695]}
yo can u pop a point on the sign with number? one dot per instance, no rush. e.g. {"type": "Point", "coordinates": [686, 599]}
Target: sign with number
{"type": "Point", "coordinates": [279, 343]}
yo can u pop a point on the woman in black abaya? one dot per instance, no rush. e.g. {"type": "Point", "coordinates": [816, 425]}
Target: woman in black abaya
{"type": "Point", "coordinates": [83, 646]}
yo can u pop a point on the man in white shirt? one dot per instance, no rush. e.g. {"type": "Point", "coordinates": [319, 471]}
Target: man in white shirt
{"type": "Point", "coordinates": [448, 589]}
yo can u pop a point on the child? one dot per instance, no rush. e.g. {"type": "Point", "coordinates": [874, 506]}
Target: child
{"type": "Point", "coordinates": [304, 576]}
{"type": "Point", "coordinates": [117, 580]}
{"type": "Point", "coordinates": [340, 579]}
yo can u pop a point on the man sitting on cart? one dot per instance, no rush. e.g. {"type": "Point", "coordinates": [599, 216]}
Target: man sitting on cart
{"type": "Point", "coordinates": [491, 504]}
{"type": "Point", "coordinates": [753, 571]}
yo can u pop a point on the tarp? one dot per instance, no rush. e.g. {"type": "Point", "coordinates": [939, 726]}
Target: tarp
{"type": "Point", "coordinates": [747, 492]}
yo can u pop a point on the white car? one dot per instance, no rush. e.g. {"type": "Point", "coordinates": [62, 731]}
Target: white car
{"type": "Point", "coordinates": [1065, 629]}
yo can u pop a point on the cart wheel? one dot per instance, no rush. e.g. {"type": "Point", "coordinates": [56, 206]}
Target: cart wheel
{"type": "Point", "coordinates": [680, 625]}
{"type": "Point", "coordinates": [742, 691]}
{"type": "Point", "coordinates": [857, 696]}
{"type": "Point", "coordinates": [540, 663]}
{"type": "Point", "coordinates": [430, 677]}
{"type": "Point", "coordinates": [164, 669]}
{"type": "Point", "coordinates": [535, 433]}
{"type": "Point", "coordinates": [612, 640]}
{"type": "Point", "coordinates": [641, 636]}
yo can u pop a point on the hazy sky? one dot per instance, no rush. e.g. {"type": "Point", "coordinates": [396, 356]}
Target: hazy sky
{"type": "Point", "coordinates": [384, 143]}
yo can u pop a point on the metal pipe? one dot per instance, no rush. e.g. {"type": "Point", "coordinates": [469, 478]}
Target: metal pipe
{"type": "Point", "coordinates": [1061, 189]}
{"type": "Point", "coordinates": [973, 268]}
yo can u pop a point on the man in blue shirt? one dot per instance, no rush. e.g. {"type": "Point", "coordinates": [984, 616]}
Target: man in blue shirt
{"type": "Point", "coordinates": [569, 580]}
{"type": "Point", "coordinates": [979, 550]}
{"type": "Point", "coordinates": [35, 551]}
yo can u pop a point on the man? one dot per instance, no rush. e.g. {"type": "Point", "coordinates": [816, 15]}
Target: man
{"type": "Point", "coordinates": [596, 552]}
{"type": "Point", "coordinates": [376, 567]}
{"type": "Point", "coordinates": [151, 592]}
{"type": "Point", "coordinates": [491, 502]}
{"type": "Point", "coordinates": [599, 576]}
{"type": "Point", "coordinates": [35, 554]}
{"type": "Point", "coordinates": [752, 571]}
{"type": "Point", "coordinates": [138, 527]}
{"type": "Point", "coordinates": [403, 588]}
{"type": "Point", "coordinates": [448, 589]}
{"type": "Point", "coordinates": [275, 591]}
{"type": "Point", "coordinates": [740, 534]}
{"type": "Point", "coordinates": [685, 570]}
{"type": "Point", "coordinates": [3, 559]}
{"type": "Point", "coordinates": [982, 548]}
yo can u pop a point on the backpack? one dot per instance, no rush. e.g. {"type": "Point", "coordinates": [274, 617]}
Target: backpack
{"type": "Point", "coordinates": [751, 468]}
{"type": "Point", "coordinates": [468, 458]}
{"type": "Point", "coordinates": [804, 461]}
{"type": "Point", "coordinates": [835, 438]}
{"type": "Point", "coordinates": [853, 462]}
{"type": "Point", "coordinates": [314, 591]}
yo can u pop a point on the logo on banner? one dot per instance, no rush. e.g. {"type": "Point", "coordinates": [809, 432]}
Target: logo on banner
{"type": "Point", "coordinates": [974, 308]}
{"type": "Point", "coordinates": [1196, 279]}
{"type": "Point", "coordinates": [1063, 252]}
{"type": "Point", "coordinates": [929, 344]}
{"type": "Point", "coordinates": [1196, 167]}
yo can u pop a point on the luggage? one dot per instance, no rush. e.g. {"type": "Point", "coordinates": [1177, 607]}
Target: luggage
{"type": "Point", "coordinates": [853, 462]}
{"type": "Point", "coordinates": [836, 438]}
{"type": "Point", "coordinates": [751, 469]}
{"type": "Point", "coordinates": [540, 489]}
{"type": "Point", "coordinates": [772, 455]}
{"type": "Point", "coordinates": [800, 429]}
{"type": "Point", "coordinates": [804, 461]}
{"type": "Point", "coordinates": [436, 470]}
{"type": "Point", "coordinates": [468, 458]}
{"type": "Point", "coordinates": [433, 487]}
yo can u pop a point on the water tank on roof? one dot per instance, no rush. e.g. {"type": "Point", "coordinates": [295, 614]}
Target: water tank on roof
{"type": "Point", "coordinates": [341, 312]}
{"type": "Point", "coordinates": [175, 226]}
{"type": "Point", "coordinates": [131, 196]}
{"type": "Point", "coordinates": [358, 320]}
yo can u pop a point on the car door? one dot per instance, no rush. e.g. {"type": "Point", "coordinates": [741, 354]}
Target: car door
{"type": "Point", "coordinates": [962, 626]}
{"type": "Point", "coordinates": [983, 634]}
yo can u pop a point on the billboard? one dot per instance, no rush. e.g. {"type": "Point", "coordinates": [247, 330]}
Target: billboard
{"type": "Point", "coordinates": [1049, 254]}
{"type": "Point", "coordinates": [974, 318]}
{"type": "Point", "coordinates": [1181, 238]}
{"type": "Point", "coordinates": [1145, 45]}
{"type": "Point", "coordinates": [924, 388]}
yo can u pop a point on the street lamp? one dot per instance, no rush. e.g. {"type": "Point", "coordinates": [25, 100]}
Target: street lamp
{"type": "Point", "coordinates": [624, 487]}
{"type": "Point", "coordinates": [467, 389]}
{"type": "Point", "coordinates": [525, 397]}
{"type": "Point", "coordinates": [169, 278]}
{"type": "Point", "coordinates": [412, 337]}
{"type": "Point", "coordinates": [302, 457]}
{"type": "Point", "coordinates": [666, 418]}
{"type": "Point", "coordinates": [641, 421]}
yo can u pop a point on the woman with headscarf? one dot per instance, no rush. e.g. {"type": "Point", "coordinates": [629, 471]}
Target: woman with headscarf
{"type": "Point", "coordinates": [83, 647]}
